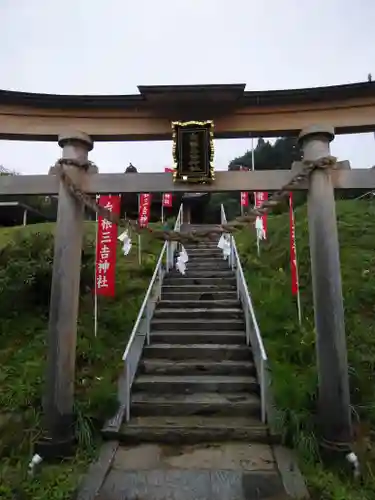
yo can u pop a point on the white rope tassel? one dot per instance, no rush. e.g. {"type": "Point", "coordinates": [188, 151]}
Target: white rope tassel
{"type": "Point", "coordinates": [182, 260]}
{"type": "Point", "coordinates": [224, 245]}
{"type": "Point", "coordinates": [126, 242]}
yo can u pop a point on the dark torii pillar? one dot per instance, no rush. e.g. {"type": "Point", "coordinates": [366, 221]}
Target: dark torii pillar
{"type": "Point", "coordinates": [334, 398]}
{"type": "Point", "coordinates": [58, 399]}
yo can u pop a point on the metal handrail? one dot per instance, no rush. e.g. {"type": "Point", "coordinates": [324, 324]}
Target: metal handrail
{"type": "Point", "coordinates": [141, 329]}
{"type": "Point", "coordinates": [253, 335]}
{"type": "Point", "coordinates": [158, 267]}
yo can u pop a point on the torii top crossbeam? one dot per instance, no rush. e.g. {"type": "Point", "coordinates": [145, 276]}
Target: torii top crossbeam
{"type": "Point", "coordinates": [148, 114]}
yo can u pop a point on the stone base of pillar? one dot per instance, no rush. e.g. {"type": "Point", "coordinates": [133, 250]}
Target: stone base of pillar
{"type": "Point", "coordinates": [54, 449]}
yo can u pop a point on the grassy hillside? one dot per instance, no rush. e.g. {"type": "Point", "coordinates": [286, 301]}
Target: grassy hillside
{"type": "Point", "coordinates": [25, 274]}
{"type": "Point", "coordinates": [291, 349]}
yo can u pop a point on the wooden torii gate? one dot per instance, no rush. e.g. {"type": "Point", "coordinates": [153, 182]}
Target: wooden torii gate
{"type": "Point", "coordinates": [334, 399]}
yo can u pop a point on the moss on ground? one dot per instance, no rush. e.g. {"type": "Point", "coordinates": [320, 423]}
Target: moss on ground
{"type": "Point", "coordinates": [291, 349]}
{"type": "Point", "coordinates": [26, 256]}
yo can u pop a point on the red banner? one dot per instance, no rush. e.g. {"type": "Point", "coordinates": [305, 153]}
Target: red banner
{"type": "Point", "coordinates": [167, 200]}
{"type": "Point", "coordinates": [260, 198]}
{"type": "Point", "coordinates": [293, 251]}
{"type": "Point", "coordinates": [144, 209]}
{"type": "Point", "coordinates": [167, 197]}
{"type": "Point", "coordinates": [244, 199]}
{"type": "Point", "coordinates": [105, 265]}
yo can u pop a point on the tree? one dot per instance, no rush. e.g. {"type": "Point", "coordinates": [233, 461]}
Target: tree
{"type": "Point", "coordinates": [267, 156]}
{"type": "Point", "coordinates": [279, 156]}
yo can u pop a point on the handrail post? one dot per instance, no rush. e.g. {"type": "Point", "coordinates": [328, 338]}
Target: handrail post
{"type": "Point", "coordinates": [160, 284]}
{"type": "Point", "coordinates": [263, 390]}
{"type": "Point", "coordinates": [231, 253]}
{"type": "Point", "coordinates": [238, 281]}
{"type": "Point", "coordinates": [127, 390]}
{"type": "Point", "coordinates": [148, 322]}
{"type": "Point", "coordinates": [167, 256]}
{"type": "Point", "coordinates": [247, 325]}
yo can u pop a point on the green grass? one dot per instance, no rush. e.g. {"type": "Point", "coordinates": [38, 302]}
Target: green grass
{"type": "Point", "coordinates": [26, 256]}
{"type": "Point", "coordinates": [291, 349]}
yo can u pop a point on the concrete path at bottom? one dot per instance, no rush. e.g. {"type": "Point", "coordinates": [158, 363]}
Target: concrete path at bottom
{"type": "Point", "coordinates": [223, 471]}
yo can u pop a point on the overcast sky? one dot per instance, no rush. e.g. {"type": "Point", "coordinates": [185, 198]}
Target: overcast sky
{"type": "Point", "coordinates": [110, 47]}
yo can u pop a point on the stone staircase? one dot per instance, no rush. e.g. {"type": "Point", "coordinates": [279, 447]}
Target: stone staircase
{"type": "Point", "coordinates": [195, 430]}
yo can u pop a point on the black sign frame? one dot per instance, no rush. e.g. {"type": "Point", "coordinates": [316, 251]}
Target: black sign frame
{"type": "Point", "coordinates": [193, 151]}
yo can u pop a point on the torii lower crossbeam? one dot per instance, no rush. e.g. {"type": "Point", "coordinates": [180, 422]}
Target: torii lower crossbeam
{"type": "Point", "coordinates": [262, 180]}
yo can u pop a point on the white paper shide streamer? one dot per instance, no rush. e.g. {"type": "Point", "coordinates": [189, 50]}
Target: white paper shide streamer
{"type": "Point", "coordinates": [34, 462]}
{"type": "Point", "coordinates": [182, 260]}
{"type": "Point", "coordinates": [224, 245]}
{"type": "Point", "coordinates": [126, 242]}
{"type": "Point", "coordinates": [261, 234]}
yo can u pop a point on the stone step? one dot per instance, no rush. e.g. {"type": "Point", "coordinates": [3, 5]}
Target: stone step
{"type": "Point", "coordinates": [213, 352]}
{"type": "Point", "coordinates": [200, 273]}
{"type": "Point", "coordinates": [197, 324]}
{"type": "Point", "coordinates": [193, 384]}
{"type": "Point", "coordinates": [199, 404]}
{"type": "Point", "coordinates": [202, 244]}
{"type": "Point", "coordinates": [192, 246]}
{"type": "Point", "coordinates": [209, 258]}
{"type": "Point", "coordinates": [207, 262]}
{"type": "Point", "coordinates": [196, 337]}
{"type": "Point", "coordinates": [201, 265]}
{"type": "Point", "coordinates": [197, 293]}
{"type": "Point", "coordinates": [194, 304]}
{"type": "Point", "coordinates": [203, 290]}
{"type": "Point", "coordinates": [196, 367]}
{"type": "Point", "coordinates": [199, 313]}
{"type": "Point", "coordinates": [193, 430]}
{"type": "Point", "coordinates": [202, 241]}
{"type": "Point", "coordinates": [217, 471]}
{"type": "Point", "coordinates": [181, 280]}
{"type": "Point", "coordinates": [207, 252]}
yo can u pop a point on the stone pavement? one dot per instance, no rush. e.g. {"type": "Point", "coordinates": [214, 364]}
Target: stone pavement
{"type": "Point", "coordinates": [223, 471]}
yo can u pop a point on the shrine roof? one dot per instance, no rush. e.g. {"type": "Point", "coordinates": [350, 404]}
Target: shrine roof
{"type": "Point", "coordinates": [11, 214]}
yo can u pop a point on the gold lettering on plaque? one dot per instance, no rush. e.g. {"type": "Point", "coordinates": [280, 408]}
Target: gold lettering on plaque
{"type": "Point", "coordinates": [194, 162]}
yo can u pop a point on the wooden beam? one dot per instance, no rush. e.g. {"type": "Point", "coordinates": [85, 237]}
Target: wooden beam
{"type": "Point", "coordinates": [29, 185]}
{"type": "Point", "coordinates": [259, 180]}
{"type": "Point", "coordinates": [45, 119]}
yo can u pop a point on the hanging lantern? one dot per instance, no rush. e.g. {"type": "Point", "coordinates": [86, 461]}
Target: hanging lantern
{"type": "Point", "coordinates": [193, 151]}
